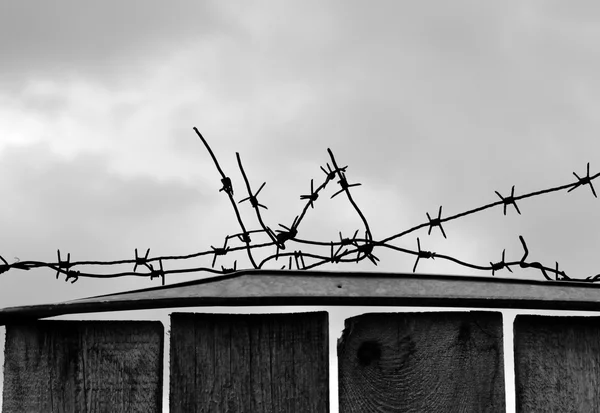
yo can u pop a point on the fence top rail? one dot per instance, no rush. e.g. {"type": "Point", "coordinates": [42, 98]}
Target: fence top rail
{"type": "Point", "coordinates": [286, 287]}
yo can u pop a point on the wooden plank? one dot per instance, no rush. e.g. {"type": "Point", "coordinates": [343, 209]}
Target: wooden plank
{"type": "Point", "coordinates": [557, 363]}
{"type": "Point", "coordinates": [272, 287]}
{"type": "Point", "coordinates": [83, 366]}
{"type": "Point", "coordinates": [249, 363]}
{"type": "Point", "coordinates": [422, 362]}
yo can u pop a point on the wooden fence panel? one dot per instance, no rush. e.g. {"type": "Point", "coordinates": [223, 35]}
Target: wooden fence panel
{"type": "Point", "coordinates": [557, 363]}
{"type": "Point", "coordinates": [83, 366]}
{"type": "Point", "coordinates": [249, 363]}
{"type": "Point", "coordinates": [422, 362]}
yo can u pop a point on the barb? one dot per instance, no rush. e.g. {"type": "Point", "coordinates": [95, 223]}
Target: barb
{"type": "Point", "coordinates": [335, 257]}
{"type": "Point", "coordinates": [344, 184]}
{"type": "Point", "coordinates": [63, 266]}
{"type": "Point", "coordinates": [158, 273]}
{"type": "Point", "coordinates": [253, 201]}
{"type": "Point", "coordinates": [586, 180]}
{"type": "Point", "coordinates": [229, 270]}
{"type": "Point", "coordinates": [299, 260]}
{"type": "Point", "coordinates": [139, 260]}
{"type": "Point", "coordinates": [365, 250]}
{"type": "Point", "coordinates": [227, 187]}
{"type": "Point", "coordinates": [331, 173]}
{"type": "Point", "coordinates": [346, 188]}
{"type": "Point", "coordinates": [283, 236]}
{"type": "Point", "coordinates": [312, 197]}
{"type": "Point", "coordinates": [314, 193]}
{"type": "Point", "coordinates": [4, 267]}
{"type": "Point", "coordinates": [71, 274]}
{"type": "Point", "coordinates": [560, 273]}
{"type": "Point", "coordinates": [484, 207]}
{"type": "Point", "coordinates": [436, 222]}
{"type": "Point", "coordinates": [500, 265]}
{"type": "Point", "coordinates": [348, 241]}
{"type": "Point", "coordinates": [219, 251]}
{"type": "Point", "coordinates": [343, 250]}
{"type": "Point", "coordinates": [244, 236]}
{"type": "Point", "coordinates": [509, 200]}
{"type": "Point", "coordinates": [422, 254]}
{"type": "Point", "coordinates": [251, 197]}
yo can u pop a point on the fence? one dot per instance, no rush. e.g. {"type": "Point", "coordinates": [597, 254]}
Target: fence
{"type": "Point", "coordinates": [421, 362]}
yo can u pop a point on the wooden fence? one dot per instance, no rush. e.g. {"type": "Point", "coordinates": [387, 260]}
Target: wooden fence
{"type": "Point", "coordinates": [387, 362]}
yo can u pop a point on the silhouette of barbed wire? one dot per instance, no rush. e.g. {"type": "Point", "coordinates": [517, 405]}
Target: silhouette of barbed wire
{"type": "Point", "coordinates": [347, 250]}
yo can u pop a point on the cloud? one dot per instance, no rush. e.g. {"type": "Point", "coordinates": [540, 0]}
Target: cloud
{"type": "Point", "coordinates": [390, 83]}
{"type": "Point", "coordinates": [434, 105]}
{"type": "Point", "coordinates": [81, 208]}
{"type": "Point", "coordinates": [104, 39]}
{"type": "Point", "coordinates": [427, 106]}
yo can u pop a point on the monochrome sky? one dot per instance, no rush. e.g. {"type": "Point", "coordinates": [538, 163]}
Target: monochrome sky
{"type": "Point", "coordinates": [428, 103]}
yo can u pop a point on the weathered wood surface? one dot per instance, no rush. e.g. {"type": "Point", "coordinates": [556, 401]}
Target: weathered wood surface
{"type": "Point", "coordinates": [83, 366]}
{"type": "Point", "coordinates": [557, 363]}
{"type": "Point", "coordinates": [272, 287]}
{"type": "Point", "coordinates": [249, 363]}
{"type": "Point", "coordinates": [422, 362]}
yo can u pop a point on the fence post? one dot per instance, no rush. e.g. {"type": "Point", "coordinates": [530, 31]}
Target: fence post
{"type": "Point", "coordinates": [83, 366]}
{"type": "Point", "coordinates": [422, 362]}
{"type": "Point", "coordinates": [249, 363]}
{"type": "Point", "coordinates": [557, 363]}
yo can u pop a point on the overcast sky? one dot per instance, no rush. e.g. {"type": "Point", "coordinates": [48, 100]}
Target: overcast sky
{"type": "Point", "coordinates": [429, 103]}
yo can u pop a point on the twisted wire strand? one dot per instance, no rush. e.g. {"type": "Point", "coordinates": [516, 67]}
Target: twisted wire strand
{"type": "Point", "coordinates": [345, 250]}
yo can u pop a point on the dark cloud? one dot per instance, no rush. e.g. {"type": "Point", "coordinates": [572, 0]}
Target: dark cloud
{"type": "Point", "coordinates": [458, 87]}
{"type": "Point", "coordinates": [79, 206]}
{"type": "Point", "coordinates": [427, 106]}
{"type": "Point", "coordinates": [442, 105]}
{"type": "Point", "coordinates": [68, 37]}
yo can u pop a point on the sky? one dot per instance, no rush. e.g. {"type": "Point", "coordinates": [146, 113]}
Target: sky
{"type": "Point", "coordinates": [428, 103]}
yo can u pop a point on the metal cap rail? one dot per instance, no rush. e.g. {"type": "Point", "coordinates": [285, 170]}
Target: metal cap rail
{"type": "Point", "coordinates": [283, 287]}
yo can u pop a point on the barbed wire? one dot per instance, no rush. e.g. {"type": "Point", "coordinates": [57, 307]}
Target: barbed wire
{"type": "Point", "coordinates": [347, 250]}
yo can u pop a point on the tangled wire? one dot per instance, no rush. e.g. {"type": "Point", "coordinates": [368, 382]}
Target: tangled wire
{"type": "Point", "coordinates": [347, 249]}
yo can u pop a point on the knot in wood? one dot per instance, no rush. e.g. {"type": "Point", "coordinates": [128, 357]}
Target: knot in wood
{"type": "Point", "coordinates": [368, 352]}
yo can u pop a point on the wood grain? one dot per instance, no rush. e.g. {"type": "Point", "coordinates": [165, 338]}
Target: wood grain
{"type": "Point", "coordinates": [422, 362]}
{"type": "Point", "coordinates": [249, 363]}
{"type": "Point", "coordinates": [83, 366]}
{"type": "Point", "coordinates": [557, 363]}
